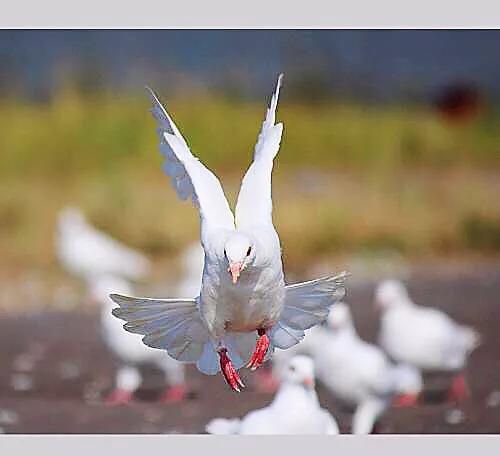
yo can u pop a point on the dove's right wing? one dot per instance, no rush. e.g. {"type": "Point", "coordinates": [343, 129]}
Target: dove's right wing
{"type": "Point", "coordinates": [170, 324]}
{"type": "Point", "coordinates": [254, 205]}
{"type": "Point", "coordinates": [189, 176]}
{"type": "Point", "coordinates": [306, 304]}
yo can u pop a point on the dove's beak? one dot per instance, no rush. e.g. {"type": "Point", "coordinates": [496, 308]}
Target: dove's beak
{"type": "Point", "coordinates": [309, 382]}
{"type": "Point", "coordinates": [235, 269]}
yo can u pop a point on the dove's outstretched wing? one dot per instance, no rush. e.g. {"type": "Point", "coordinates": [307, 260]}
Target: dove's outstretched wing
{"type": "Point", "coordinates": [171, 324]}
{"type": "Point", "coordinates": [306, 304]}
{"type": "Point", "coordinates": [189, 176]}
{"type": "Point", "coordinates": [254, 205]}
{"type": "Point", "coordinates": [175, 325]}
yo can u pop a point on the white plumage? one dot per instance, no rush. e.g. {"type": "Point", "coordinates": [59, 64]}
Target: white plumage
{"type": "Point", "coordinates": [85, 251]}
{"type": "Point", "coordinates": [421, 336]}
{"type": "Point", "coordinates": [243, 302]}
{"type": "Point", "coordinates": [294, 410]}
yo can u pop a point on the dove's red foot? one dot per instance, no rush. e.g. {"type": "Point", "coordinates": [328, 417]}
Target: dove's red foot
{"type": "Point", "coordinates": [406, 400]}
{"type": "Point", "coordinates": [173, 394]}
{"type": "Point", "coordinates": [119, 397]}
{"type": "Point", "coordinates": [229, 372]}
{"type": "Point", "coordinates": [261, 348]}
{"type": "Point", "coordinates": [459, 389]}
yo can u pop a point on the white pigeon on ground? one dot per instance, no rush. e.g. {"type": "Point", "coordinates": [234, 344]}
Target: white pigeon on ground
{"type": "Point", "coordinates": [129, 349]}
{"type": "Point", "coordinates": [357, 373]}
{"type": "Point", "coordinates": [244, 305]}
{"type": "Point", "coordinates": [294, 410]}
{"type": "Point", "coordinates": [423, 336]}
{"type": "Point", "coordinates": [85, 251]}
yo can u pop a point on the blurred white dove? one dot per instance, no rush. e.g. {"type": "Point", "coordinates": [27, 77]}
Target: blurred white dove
{"type": "Point", "coordinates": [129, 349]}
{"type": "Point", "coordinates": [359, 373]}
{"type": "Point", "coordinates": [86, 252]}
{"type": "Point", "coordinates": [243, 303]}
{"type": "Point", "coordinates": [422, 336]}
{"type": "Point", "coordinates": [294, 410]}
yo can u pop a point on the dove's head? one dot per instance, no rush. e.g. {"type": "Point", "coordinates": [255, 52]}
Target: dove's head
{"type": "Point", "coordinates": [239, 251]}
{"type": "Point", "coordinates": [339, 316]}
{"type": "Point", "coordinates": [300, 371]}
{"type": "Point", "coordinates": [390, 293]}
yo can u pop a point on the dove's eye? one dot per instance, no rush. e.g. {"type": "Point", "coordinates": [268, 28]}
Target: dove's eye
{"type": "Point", "coordinates": [292, 368]}
{"type": "Point", "coordinates": [249, 251]}
{"type": "Point", "coordinates": [225, 254]}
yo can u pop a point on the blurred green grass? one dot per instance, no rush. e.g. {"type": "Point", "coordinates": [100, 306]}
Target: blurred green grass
{"type": "Point", "coordinates": [349, 178]}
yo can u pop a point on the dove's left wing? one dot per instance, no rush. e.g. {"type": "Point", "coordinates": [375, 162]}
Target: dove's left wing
{"type": "Point", "coordinates": [189, 176]}
{"type": "Point", "coordinates": [170, 324]}
{"type": "Point", "coordinates": [306, 304]}
{"type": "Point", "coordinates": [254, 206]}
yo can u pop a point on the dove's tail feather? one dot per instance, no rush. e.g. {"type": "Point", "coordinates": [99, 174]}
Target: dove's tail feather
{"type": "Point", "coordinates": [223, 426]}
{"type": "Point", "coordinates": [306, 304]}
{"type": "Point", "coordinates": [170, 324]}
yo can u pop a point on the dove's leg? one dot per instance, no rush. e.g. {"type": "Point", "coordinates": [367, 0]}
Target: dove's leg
{"type": "Point", "coordinates": [174, 375]}
{"type": "Point", "coordinates": [459, 389]}
{"type": "Point", "coordinates": [228, 370]}
{"type": "Point", "coordinates": [261, 348]}
{"type": "Point", "coordinates": [406, 400]}
{"type": "Point", "coordinates": [128, 379]}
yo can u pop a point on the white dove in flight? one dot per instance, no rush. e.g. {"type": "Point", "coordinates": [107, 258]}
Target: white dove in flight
{"type": "Point", "coordinates": [244, 309]}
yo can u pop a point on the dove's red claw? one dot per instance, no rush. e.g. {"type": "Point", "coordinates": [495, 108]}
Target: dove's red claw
{"type": "Point", "coordinates": [119, 397]}
{"type": "Point", "coordinates": [261, 348]}
{"type": "Point", "coordinates": [173, 394]}
{"type": "Point", "coordinates": [230, 374]}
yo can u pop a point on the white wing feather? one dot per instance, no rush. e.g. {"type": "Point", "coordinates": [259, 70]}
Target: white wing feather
{"type": "Point", "coordinates": [254, 205]}
{"type": "Point", "coordinates": [189, 176]}
{"type": "Point", "coordinates": [170, 324]}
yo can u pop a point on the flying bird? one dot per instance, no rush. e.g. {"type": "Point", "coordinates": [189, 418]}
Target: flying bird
{"type": "Point", "coordinates": [423, 336]}
{"type": "Point", "coordinates": [294, 410]}
{"type": "Point", "coordinates": [244, 309]}
{"type": "Point", "coordinates": [87, 252]}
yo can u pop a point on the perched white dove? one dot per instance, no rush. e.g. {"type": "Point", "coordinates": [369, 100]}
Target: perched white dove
{"type": "Point", "coordinates": [129, 349]}
{"type": "Point", "coordinates": [243, 303]}
{"type": "Point", "coordinates": [359, 373]}
{"type": "Point", "coordinates": [422, 336]}
{"type": "Point", "coordinates": [86, 252]}
{"type": "Point", "coordinates": [294, 410]}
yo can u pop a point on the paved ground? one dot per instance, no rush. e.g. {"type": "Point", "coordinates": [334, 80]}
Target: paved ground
{"type": "Point", "coordinates": [54, 371]}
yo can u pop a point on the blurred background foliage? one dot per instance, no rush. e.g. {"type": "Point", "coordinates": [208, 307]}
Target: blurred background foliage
{"type": "Point", "coordinates": [362, 169]}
